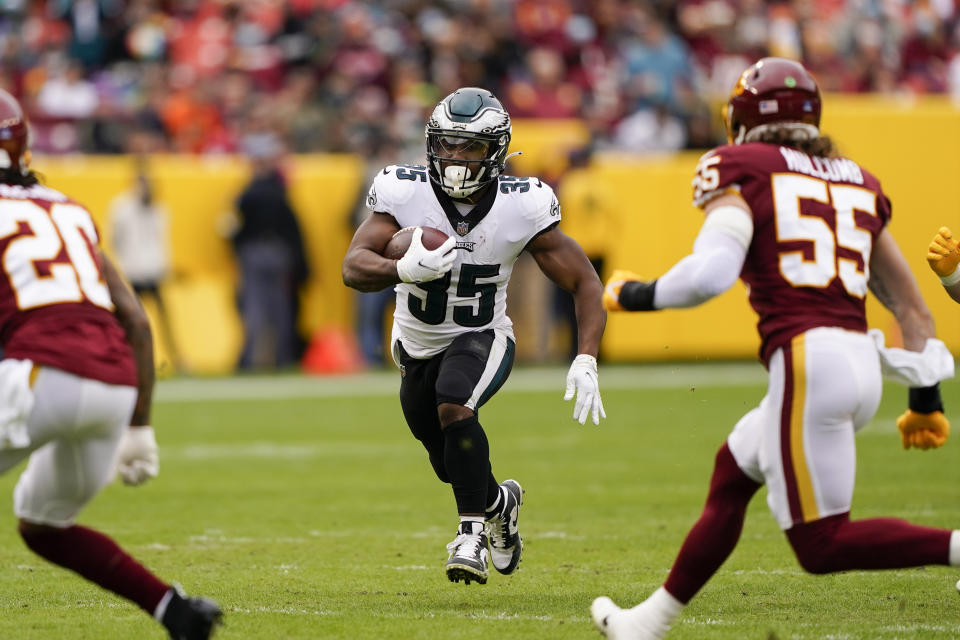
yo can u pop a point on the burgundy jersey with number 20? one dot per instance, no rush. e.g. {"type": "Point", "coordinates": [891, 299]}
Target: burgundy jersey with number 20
{"type": "Point", "coordinates": [815, 221]}
{"type": "Point", "coordinates": [55, 308]}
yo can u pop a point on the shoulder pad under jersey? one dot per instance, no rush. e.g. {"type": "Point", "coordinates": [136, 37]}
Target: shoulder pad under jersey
{"type": "Point", "coordinates": [534, 198]}
{"type": "Point", "coordinates": [395, 185]}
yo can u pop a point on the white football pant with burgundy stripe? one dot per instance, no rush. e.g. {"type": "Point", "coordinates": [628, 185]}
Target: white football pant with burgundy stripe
{"type": "Point", "coordinates": [823, 387]}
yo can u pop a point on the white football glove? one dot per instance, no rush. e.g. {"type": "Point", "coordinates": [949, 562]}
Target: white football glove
{"type": "Point", "coordinates": [420, 264]}
{"type": "Point", "coordinates": [582, 379]}
{"type": "Point", "coordinates": [137, 459]}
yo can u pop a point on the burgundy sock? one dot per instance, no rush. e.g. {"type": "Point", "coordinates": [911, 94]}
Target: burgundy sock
{"type": "Point", "coordinates": [714, 536]}
{"type": "Point", "coordinates": [98, 559]}
{"type": "Point", "coordinates": [838, 544]}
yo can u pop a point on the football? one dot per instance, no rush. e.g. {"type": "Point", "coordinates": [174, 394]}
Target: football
{"type": "Point", "coordinates": [400, 242]}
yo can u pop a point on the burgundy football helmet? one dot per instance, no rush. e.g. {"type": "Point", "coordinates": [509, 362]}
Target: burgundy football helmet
{"type": "Point", "coordinates": [14, 135]}
{"type": "Point", "coordinates": [774, 91]}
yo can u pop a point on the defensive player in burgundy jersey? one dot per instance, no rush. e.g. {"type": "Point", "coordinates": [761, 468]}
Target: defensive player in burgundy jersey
{"type": "Point", "coordinates": [452, 338]}
{"type": "Point", "coordinates": [806, 230]}
{"type": "Point", "coordinates": [944, 258]}
{"type": "Point", "coordinates": [76, 383]}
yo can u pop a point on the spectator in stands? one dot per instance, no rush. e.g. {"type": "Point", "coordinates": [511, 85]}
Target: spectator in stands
{"type": "Point", "coordinates": [657, 60]}
{"type": "Point", "coordinates": [65, 104]}
{"type": "Point", "coordinates": [925, 52]}
{"type": "Point", "coordinates": [91, 26]}
{"type": "Point", "coordinates": [651, 129]}
{"type": "Point", "coordinates": [602, 60]}
{"type": "Point", "coordinates": [66, 93]}
{"type": "Point", "coordinates": [193, 119]}
{"type": "Point", "coordinates": [545, 92]}
{"type": "Point", "coordinates": [296, 106]}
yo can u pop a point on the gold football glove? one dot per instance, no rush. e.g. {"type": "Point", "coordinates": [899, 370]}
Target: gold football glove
{"type": "Point", "coordinates": [923, 430]}
{"type": "Point", "coordinates": [611, 292]}
{"type": "Point", "coordinates": [943, 253]}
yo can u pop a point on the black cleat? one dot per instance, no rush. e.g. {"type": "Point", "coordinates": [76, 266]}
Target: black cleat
{"type": "Point", "coordinates": [191, 618]}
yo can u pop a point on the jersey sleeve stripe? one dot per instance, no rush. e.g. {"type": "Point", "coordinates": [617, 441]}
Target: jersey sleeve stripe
{"type": "Point", "coordinates": [705, 199]}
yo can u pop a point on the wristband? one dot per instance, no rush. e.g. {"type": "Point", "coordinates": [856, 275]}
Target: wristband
{"type": "Point", "coordinates": [925, 399]}
{"type": "Point", "coordinates": [637, 296]}
{"type": "Point", "coordinates": [952, 279]}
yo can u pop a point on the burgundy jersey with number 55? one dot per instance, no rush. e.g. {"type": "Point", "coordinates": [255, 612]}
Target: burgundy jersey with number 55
{"type": "Point", "coordinates": [55, 307]}
{"type": "Point", "coordinates": [815, 221]}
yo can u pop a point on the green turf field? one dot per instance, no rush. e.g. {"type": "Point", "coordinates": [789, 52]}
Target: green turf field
{"type": "Point", "coordinates": [308, 511]}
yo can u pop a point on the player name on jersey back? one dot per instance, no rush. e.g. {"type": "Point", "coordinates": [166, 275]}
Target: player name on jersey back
{"type": "Point", "coordinates": [815, 221]}
{"type": "Point", "coordinates": [831, 169]}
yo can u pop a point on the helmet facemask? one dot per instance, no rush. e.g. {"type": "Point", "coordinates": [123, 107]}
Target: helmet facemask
{"type": "Point", "coordinates": [467, 140]}
{"type": "Point", "coordinates": [463, 162]}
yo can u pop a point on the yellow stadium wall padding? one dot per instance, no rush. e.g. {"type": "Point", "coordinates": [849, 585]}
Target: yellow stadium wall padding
{"type": "Point", "coordinates": [199, 193]}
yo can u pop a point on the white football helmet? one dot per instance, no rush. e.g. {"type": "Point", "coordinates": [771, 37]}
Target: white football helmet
{"type": "Point", "coordinates": [467, 139]}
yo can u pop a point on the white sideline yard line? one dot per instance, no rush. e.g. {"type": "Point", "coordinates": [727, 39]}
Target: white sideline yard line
{"type": "Point", "coordinates": [522, 380]}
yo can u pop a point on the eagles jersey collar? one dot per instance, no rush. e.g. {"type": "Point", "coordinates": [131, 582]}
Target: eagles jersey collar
{"type": "Point", "coordinates": [465, 224]}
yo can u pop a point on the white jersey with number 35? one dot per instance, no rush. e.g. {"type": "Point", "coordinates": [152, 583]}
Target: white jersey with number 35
{"type": "Point", "coordinates": [490, 238]}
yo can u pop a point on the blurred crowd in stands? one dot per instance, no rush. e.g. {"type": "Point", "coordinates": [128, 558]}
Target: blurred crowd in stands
{"type": "Point", "coordinates": [339, 75]}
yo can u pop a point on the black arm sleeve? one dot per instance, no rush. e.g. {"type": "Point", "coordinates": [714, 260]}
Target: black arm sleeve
{"type": "Point", "coordinates": [637, 296]}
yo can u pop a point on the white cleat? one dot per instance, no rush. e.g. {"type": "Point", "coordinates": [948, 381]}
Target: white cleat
{"type": "Point", "coordinates": [625, 624]}
{"type": "Point", "coordinates": [602, 609]}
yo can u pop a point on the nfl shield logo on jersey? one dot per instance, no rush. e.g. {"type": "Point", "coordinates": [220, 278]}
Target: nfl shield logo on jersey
{"type": "Point", "coordinates": [463, 228]}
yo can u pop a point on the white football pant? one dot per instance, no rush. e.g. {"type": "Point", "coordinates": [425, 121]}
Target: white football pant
{"type": "Point", "coordinates": [823, 387]}
{"type": "Point", "coordinates": [74, 428]}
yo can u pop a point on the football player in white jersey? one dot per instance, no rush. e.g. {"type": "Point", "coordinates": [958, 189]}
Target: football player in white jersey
{"type": "Point", "coordinates": [452, 338]}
